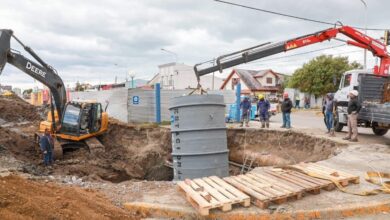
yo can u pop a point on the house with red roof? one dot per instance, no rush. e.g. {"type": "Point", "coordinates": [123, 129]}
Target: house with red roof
{"type": "Point", "coordinates": [254, 81]}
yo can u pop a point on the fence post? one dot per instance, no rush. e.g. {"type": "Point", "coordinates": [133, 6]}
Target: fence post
{"type": "Point", "coordinates": [158, 102]}
{"type": "Point", "coordinates": [238, 101]}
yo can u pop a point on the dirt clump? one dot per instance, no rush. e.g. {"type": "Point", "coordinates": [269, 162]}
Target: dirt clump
{"type": "Point", "coordinates": [273, 147]}
{"type": "Point", "coordinates": [15, 109]}
{"type": "Point", "coordinates": [26, 199]}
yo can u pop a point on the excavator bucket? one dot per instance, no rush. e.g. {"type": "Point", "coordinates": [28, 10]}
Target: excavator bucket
{"type": "Point", "coordinates": [5, 41]}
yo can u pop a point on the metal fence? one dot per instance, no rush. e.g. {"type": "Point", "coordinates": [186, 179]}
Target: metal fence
{"type": "Point", "coordinates": [139, 105]}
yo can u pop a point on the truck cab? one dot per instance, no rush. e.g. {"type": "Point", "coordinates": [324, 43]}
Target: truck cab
{"type": "Point", "coordinates": [374, 112]}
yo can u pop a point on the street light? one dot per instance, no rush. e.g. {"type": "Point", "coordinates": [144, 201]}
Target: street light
{"type": "Point", "coordinates": [132, 75]}
{"type": "Point", "coordinates": [365, 31]}
{"type": "Point", "coordinates": [171, 52]}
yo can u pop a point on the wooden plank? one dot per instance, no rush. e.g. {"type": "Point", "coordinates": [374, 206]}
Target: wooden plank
{"type": "Point", "coordinates": [296, 181]}
{"type": "Point", "coordinates": [341, 172]}
{"type": "Point", "coordinates": [252, 184]}
{"type": "Point", "coordinates": [214, 193]}
{"type": "Point", "coordinates": [311, 179]}
{"type": "Point", "coordinates": [264, 187]}
{"type": "Point", "coordinates": [279, 188]}
{"type": "Point", "coordinates": [331, 170]}
{"type": "Point", "coordinates": [246, 189]}
{"type": "Point", "coordinates": [281, 182]}
{"type": "Point", "coordinates": [319, 172]}
{"type": "Point", "coordinates": [221, 189]}
{"type": "Point", "coordinates": [228, 187]}
{"type": "Point", "coordinates": [201, 202]}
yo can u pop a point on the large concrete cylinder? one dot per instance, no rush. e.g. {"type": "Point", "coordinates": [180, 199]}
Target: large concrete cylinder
{"type": "Point", "coordinates": [199, 145]}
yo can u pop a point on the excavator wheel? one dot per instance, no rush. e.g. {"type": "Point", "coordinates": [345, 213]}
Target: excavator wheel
{"type": "Point", "coordinates": [57, 151]}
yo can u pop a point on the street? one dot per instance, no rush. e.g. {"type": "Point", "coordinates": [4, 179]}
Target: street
{"type": "Point", "coordinates": [311, 122]}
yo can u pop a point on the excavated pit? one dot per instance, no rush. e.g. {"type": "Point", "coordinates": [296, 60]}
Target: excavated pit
{"type": "Point", "coordinates": [278, 147]}
{"type": "Point", "coordinates": [141, 151]}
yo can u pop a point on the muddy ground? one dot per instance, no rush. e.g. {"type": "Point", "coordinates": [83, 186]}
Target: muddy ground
{"type": "Point", "coordinates": [27, 199]}
{"type": "Point", "coordinates": [133, 154]}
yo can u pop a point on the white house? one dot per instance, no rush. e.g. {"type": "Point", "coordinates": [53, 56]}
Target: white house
{"type": "Point", "coordinates": [173, 76]}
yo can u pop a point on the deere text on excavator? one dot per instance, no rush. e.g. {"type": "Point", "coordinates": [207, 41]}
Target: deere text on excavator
{"type": "Point", "coordinates": [73, 124]}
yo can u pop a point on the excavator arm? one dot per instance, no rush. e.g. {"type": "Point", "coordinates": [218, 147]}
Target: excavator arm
{"type": "Point", "coordinates": [42, 72]}
{"type": "Point", "coordinates": [359, 39]}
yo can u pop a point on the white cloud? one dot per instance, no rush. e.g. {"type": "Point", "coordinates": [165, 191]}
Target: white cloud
{"type": "Point", "coordinates": [97, 40]}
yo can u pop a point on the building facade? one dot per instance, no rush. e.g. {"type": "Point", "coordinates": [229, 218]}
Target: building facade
{"type": "Point", "coordinates": [173, 76]}
{"type": "Point", "coordinates": [254, 81]}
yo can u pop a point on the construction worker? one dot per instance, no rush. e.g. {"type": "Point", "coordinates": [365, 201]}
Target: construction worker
{"type": "Point", "coordinates": [245, 106]}
{"type": "Point", "coordinates": [329, 108]}
{"type": "Point", "coordinates": [353, 111]}
{"type": "Point", "coordinates": [286, 111]}
{"type": "Point", "coordinates": [46, 144]}
{"type": "Point", "coordinates": [263, 107]}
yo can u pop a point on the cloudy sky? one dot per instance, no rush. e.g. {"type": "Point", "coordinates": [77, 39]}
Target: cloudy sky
{"type": "Point", "coordinates": [95, 41]}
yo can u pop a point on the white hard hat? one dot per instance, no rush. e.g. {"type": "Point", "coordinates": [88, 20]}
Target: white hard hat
{"type": "Point", "coordinates": [354, 93]}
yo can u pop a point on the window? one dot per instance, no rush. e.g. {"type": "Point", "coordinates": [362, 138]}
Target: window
{"type": "Point", "coordinates": [347, 80]}
{"type": "Point", "coordinates": [71, 115]}
{"type": "Point", "coordinates": [269, 80]}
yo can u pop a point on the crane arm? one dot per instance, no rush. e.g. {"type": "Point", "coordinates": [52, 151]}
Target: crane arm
{"type": "Point", "coordinates": [254, 53]}
{"type": "Point", "coordinates": [42, 72]}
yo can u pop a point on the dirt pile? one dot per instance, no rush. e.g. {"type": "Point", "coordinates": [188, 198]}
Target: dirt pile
{"type": "Point", "coordinates": [15, 109]}
{"type": "Point", "coordinates": [27, 199]}
{"type": "Point", "coordinates": [271, 147]}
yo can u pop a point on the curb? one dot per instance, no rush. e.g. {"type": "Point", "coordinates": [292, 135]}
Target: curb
{"type": "Point", "coordinates": [185, 212]}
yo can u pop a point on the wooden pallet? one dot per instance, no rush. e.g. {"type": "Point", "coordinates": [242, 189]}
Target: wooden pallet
{"type": "Point", "coordinates": [339, 176]}
{"type": "Point", "coordinates": [212, 192]}
{"type": "Point", "coordinates": [264, 188]}
{"type": "Point", "coordinates": [309, 184]}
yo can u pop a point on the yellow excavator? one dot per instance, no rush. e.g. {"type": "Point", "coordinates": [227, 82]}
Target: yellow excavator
{"type": "Point", "coordinates": [74, 124]}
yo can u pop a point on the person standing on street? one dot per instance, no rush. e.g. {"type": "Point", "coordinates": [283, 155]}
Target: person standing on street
{"type": "Point", "coordinates": [286, 111]}
{"type": "Point", "coordinates": [245, 106]}
{"type": "Point", "coordinates": [297, 101]}
{"type": "Point", "coordinates": [329, 107]}
{"type": "Point", "coordinates": [263, 107]}
{"type": "Point", "coordinates": [46, 143]}
{"type": "Point", "coordinates": [353, 111]}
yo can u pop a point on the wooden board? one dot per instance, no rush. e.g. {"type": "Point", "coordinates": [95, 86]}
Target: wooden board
{"type": "Point", "coordinates": [264, 188]}
{"type": "Point", "coordinates": [331, 174]}
{"type": "Point", "coordinates": [308, 183]}
{"type": "Point", "coordinates": [212, 192]}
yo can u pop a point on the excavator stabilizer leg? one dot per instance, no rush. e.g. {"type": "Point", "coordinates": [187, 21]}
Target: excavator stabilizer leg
{"type": "Point", "coordinates": [57, 151]}
{"type": "Point", "coordinates": [94, 145]}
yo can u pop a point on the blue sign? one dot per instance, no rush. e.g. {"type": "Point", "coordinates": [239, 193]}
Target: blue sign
{"type": "Point", "coordinates": [135, 100]}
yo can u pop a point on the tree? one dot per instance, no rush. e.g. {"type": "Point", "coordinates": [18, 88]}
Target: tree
{"type": "Point", "coordinates": [321, 75]}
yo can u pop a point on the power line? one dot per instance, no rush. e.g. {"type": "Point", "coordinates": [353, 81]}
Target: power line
{"type": "Point", "coordinates": [293, 16]}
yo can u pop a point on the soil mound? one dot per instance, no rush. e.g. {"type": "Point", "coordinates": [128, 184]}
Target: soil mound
{"type": "Point", "coordinates": [26, 199]}
{"type": "Point", "coordinates": [15, 109]}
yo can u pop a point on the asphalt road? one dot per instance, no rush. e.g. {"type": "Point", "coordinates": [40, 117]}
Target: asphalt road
{"type": "Point", "coordinates": [312, 122]}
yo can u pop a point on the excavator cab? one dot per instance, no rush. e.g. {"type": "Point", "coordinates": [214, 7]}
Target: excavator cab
{"type": "Point", "coordinates": [83, 118]}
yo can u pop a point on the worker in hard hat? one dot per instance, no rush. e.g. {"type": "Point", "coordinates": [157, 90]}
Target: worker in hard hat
{"type": "Point", "coordinates": [353, 111]}
{"type": "Point", "coordinates": [286, 111]}
{"type": "Point", "coordinates": [245, 106]}
{"type": "Point", "coordinates": [263, 107]}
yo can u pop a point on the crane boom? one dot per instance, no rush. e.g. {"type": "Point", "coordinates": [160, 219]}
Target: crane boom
{"type": "Point", "coordinates": [359, 39]}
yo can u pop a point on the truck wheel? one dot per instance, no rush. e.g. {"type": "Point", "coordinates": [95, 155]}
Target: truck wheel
{"type": "Point", "coordinates": [338, 127]}
{"type": "Point", "coordinates": [379, 131]}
